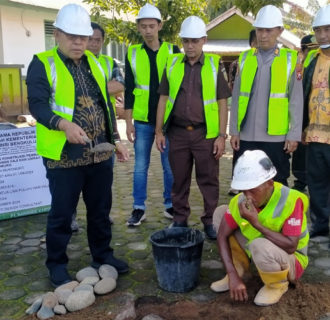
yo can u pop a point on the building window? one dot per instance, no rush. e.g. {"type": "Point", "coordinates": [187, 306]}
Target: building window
{"type": "Point", "coordinates": [49, 35]}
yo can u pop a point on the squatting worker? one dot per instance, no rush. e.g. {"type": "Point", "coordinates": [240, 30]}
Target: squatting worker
{"type": "Point", "coordinates": [68, 96]}
{"type": "Point", "coordinates": [317, 124]}
{"type": "Point", "coordinates": [267, 102]}
{"type": "Point", "coordinates": [266, 223]}
{"type": "Point", "coordinates": [144, 65]}
{"type": "Point", "coordinates": [192, 113]}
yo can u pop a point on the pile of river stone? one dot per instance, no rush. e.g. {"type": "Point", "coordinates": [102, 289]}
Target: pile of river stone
{"type": "Point", "coordinates": [76, 295]}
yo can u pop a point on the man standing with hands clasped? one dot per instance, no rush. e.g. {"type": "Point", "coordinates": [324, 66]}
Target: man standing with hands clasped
{"type": "Point", "coordinates": [144, 66]}
{"type": "Point", "coordinates": [266, 112]}
{"type": "Point", "coordinates": [192, 112]}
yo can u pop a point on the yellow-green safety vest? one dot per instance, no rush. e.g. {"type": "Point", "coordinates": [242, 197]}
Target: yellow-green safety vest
{"type": "Point", "coordinates": [282, 68]}
{"type": "Point", "coordinates": [310, 56]}
{"type": "Point", "coordinates": [273, 216]}
{"type": "Point", "coordinates": [107, 66]}
{"type": "Point", "coordinates": [209, 75]}
{"type": "Point", "coordinates": [140, 65]}
{"type": "Point", "coordinates": [50, 143]}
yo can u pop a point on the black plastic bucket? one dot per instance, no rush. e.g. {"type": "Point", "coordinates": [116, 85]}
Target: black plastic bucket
{"type": "Point", "coordinates": [177, 254]}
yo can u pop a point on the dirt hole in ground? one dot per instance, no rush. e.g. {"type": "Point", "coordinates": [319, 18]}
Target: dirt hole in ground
{"type": "Point", "coordinates": [304, 302]}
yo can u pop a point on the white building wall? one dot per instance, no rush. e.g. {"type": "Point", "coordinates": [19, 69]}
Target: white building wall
{"type": "Point", "coordinates": [22, 34]}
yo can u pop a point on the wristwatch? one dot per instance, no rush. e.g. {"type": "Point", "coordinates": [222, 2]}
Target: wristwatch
{"type": "Point", "coordinates": [223, 135]}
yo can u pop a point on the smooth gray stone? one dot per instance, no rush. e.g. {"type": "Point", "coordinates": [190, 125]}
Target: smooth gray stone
{"type": "Point", "coordinates": [30, 299]}
{"type": "Point", "coordinates": [70, 285]}
{"type": "Point", "coordinates": [45, 313]}
{"type": "Point", "coordinates": [30, 243]}
{"type": "Point", "coordinates": [63, 295]}
{"type": "Point", "coordinates": [91, 280]}
{"type": "Point", "coordinates": [105, 286]}
{"type": "Point", "coordinates": [107, 271]}
{"type": "Point", "coordinates": [59, 309]}
{"type": "Point", "coordinates": [86, 272]}
{"type": "Point", "coordinates": [35, 306]}
{"type": "Point", "coordinates": [50, 300]}
{"type": "Point", "coordinates": [84, 287]}
{"type": "Point", "coordinates": [79, 300]}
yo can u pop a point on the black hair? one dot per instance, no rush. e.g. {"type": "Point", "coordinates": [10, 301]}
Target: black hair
{"type": "Point", "coordinates": [96, 26]}
{"type": "Point", "coordinates": [252, 36]}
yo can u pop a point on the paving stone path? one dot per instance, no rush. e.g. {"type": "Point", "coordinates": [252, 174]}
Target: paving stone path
{"type": "Point", "coordinates": [23, 275]}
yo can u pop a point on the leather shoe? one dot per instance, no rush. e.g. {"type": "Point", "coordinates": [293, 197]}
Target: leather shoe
{"type": "Point", "coordinates": [210, 231]}
{"type": "Point", "coordinates": [59, 275]}
{"type": "Point", "coordinates": [176, 224]}
{"type": "Point", "coordinates": [120, 265]}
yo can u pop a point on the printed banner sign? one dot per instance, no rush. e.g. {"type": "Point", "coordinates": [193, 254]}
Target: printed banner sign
{"type": "Point", "coordinates": [23, 183]}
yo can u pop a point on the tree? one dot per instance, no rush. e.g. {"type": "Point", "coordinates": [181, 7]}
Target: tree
{"type": "Point", "coordinates": [252, 6]}
{"type": "Point", "coordinates": [299, 20]}
{"type": "Point", "coordinates": [173, 13]}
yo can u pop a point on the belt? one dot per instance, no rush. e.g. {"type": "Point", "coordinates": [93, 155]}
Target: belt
{"type": "Point", "coordinates": [191, 127]}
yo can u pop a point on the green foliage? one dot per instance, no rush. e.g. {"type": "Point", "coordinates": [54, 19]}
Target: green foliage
{"type": "Point", "coordinates": [119, 29]}
{"type": "Point", "coordinates": [252, 6]}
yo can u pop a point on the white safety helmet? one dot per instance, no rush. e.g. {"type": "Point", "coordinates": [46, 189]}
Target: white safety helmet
{"type": "Point", "coordinates": [322, 17]}
{"type": "Point", "coordinates": [74, 19]}
{"type": "Point", "coordinates": [252, 169]}
{"type": "Point", "coordinates": [193, 27]}
{"type": "Point", "coordinates": [268, 17]}
{"type": "Point", "coordinates": [148, 11]}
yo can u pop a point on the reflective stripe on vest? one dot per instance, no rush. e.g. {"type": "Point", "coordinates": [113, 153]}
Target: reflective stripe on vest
{"type": "Point", "coordinates": [282, 67]}
{"type": "Point", "coordinates": [273, 216]}
{"type": "Point", "coordinates": [107, 66]}
{"type": "Point", "coordinates": [209, 76]}
{"type": "Point", "coordinates": [50, 143]}
{"type": "Point", "coordinates": [310, 56]}
{"type": "Point", "coordinates": [140, 65]}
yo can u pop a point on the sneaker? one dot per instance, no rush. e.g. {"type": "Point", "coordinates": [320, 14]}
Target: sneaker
{"type": "Point", "coordinates": [120, 265]}
{"type": "Point", "coordinates": [168, 213]}
{"type": "Point", "coordinates": [136, 218]}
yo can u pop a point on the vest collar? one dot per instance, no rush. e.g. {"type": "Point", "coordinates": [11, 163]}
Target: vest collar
{"type": "Point", "coordinates": [275, 51]}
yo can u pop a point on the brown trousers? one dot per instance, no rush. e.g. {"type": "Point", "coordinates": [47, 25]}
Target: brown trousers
{"type": "Point", "coordinates": [186, 149]}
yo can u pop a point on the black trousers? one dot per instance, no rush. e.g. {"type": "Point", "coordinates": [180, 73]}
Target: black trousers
{"type": "Point", "coordinates": [275, 152]}
{"type": "Point", "coordinates": [65, 185]}
{"type": "Point", "coordinates": [318, 180]}
{"type": "Point", "coordinates": [299, 166]}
